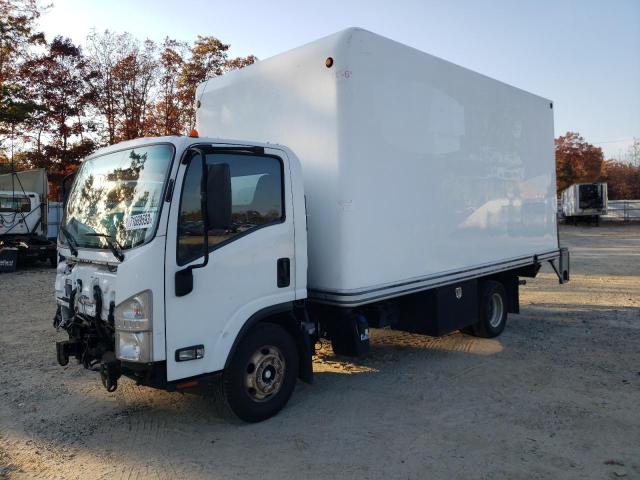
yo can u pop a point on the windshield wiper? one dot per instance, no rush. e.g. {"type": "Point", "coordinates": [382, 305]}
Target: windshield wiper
{"type": "Point", "coordinates": [112, 243]}
{"type": "Point", "coordinates": [73, 245]}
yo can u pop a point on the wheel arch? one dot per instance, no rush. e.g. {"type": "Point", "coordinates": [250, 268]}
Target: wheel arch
{"type": "Point", "coordinates": [283, 314]}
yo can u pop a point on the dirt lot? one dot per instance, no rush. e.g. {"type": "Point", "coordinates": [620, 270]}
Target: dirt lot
{"type": "Point", "coordinates": [556, 396]}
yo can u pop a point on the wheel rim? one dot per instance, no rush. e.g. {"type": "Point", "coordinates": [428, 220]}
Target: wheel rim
{"type": "Point", "coordinates": [496, 310]}
{"type": "Point", "coordinates": [264, 374]}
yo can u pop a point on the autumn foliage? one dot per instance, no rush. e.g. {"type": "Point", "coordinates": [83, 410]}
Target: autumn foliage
{"type": "Point", "coordinates": [577, 161]}
{"type": "Point", "coordinates": [623, 180]}
{"type": "Point", "coordinates": [60, 101]}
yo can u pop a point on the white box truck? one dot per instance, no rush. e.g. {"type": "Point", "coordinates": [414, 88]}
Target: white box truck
{"type": "Point", "coordinates": [349, 183]}
{"type": "Point", "coordinates": [584, 202]}
{"type": "Point", "coordinates": [24, 216]}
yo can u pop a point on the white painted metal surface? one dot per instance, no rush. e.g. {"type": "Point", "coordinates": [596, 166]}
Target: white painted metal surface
{"type": "Point", "coordinates": [239, 280]}
{"type": "Point", "coordinates": [413, 166]}
{"type": "Point", "coordinates": [26, 184]}
{"type": "Point", "coordinates": [15, 220]}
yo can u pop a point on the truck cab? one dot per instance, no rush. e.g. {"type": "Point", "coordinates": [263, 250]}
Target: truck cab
{"type": "Point", "coordinates": [16, 217]}
{"type": "Point", "coordinates": [176, 251]}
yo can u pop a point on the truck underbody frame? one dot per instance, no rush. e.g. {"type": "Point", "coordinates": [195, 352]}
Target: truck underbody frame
{"type": "Point", "coordinates": [369, 295]}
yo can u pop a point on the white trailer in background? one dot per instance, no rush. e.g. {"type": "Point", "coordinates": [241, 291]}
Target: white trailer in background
{"type": "Point", "coordinates": [584, 201]}
{"type": "Point", "coordinates": [348, 183]}
{"type": "Point", "coordinates": [24, 216]}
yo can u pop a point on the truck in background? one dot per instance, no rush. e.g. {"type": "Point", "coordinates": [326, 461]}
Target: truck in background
{"type": "Point", "coordinates": [24, 209]}
{"type": "Point", "coordinates": [584, 202]}
{"type": "Point", "coordinates": [359, 183]}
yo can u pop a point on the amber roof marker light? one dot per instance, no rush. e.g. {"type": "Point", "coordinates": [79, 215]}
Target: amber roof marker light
{"type": "Point", "coordinates": [193, 133]}
{"type": "Point", "coordinates": [328, 62]}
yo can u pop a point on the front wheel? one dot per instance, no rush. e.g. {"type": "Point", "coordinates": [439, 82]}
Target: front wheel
{"type": "Point", "coordinates": [493, 304]}
{"type": "Point", "coordinates": [262, 373]}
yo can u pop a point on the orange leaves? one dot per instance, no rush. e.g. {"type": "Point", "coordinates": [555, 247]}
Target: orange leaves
{"type": "Point", "coordinates": [577, 161]}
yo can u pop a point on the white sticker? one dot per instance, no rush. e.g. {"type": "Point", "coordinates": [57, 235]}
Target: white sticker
{"type": "Point", "coordinates": [138, 222]}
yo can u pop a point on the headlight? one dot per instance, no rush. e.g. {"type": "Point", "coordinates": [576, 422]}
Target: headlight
{"type": "Point", "coordinates": [134, 347]}
{"type": "Point", "coordinates": [135, 313]}
{"type": "Point", "coordinates": [134, 323]}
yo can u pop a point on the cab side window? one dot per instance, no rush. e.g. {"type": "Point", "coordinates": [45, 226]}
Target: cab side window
{"type": "Point", "coordinates": [257, 200]}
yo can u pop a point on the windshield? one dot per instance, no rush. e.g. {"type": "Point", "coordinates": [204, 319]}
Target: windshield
{"type": "Point", "coordinates": [117, 195]}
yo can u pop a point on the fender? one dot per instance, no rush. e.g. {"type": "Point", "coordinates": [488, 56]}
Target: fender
{"type": "Point", "coordinates": [287, 315]}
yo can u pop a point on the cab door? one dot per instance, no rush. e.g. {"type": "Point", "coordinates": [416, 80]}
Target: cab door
{"type": "Point", "coordinates": [251, 260]}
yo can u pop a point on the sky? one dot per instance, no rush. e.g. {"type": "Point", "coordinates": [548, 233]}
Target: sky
{"type": "Point", "coordinates": [584, 55]}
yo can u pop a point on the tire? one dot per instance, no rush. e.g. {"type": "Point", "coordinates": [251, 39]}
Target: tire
{"type": "Point", "coordinates": [493, 306]}
{"type": "Point", "coordinates": [262, 374]}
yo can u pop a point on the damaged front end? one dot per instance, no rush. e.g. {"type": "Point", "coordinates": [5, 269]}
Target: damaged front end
{"type": "Point", "coordinates": [86, 311]}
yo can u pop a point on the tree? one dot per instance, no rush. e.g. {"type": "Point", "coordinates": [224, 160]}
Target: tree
{"type": "Point", "coordinates": [59, 82]}
{"type": "Point", "coordinates": [623, 180]}
{"type": "Point", "coordinates": [576, 161]}
{"type": "Point", "coordinates": [134, 77]}
{"type": "Point", "coordinates": [168, 113]}
{"type": "Point", "coordinates": [126, 76]}
{"type": "Point", "coordinates": [240, 62]}
{"type": "Point", "coordinates": [633, 153]}
{"type": "Point", "coordinates": [18, 33]}
{"type": "Point", "coordinates": [104, 54]}
{"type": "Point", "coordinates": [208, 59]}
{"type": "Point", "coordinates": [60, 104]}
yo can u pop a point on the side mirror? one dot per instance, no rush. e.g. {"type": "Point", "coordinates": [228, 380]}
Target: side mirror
{"type": "Point", "coordinates": [218, 196]}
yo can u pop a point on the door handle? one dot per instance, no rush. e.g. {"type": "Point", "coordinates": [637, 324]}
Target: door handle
{"type": "Point", "coordinates": [284, 272]}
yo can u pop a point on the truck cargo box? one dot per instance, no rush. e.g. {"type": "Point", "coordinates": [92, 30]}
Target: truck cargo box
{"type": "Point", "coordinates": [584, 199]}
{"type": "Point", "coordinates": [417, 172]}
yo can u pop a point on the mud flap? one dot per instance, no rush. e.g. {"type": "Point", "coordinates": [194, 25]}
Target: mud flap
{"type": "Point", "coordinates": [349, 334]}
{"type": "Point", "coordinates": [305, 351]}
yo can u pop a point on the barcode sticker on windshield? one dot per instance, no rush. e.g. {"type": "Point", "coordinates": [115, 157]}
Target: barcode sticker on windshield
{"type": "Point", "coordinates": [138, 222]}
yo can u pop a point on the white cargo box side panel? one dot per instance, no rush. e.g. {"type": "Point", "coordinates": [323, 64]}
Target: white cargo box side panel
{"type": "Point", "coordinates": [413, 166]}
{"type": "Point", "coordinates": [444, 168]}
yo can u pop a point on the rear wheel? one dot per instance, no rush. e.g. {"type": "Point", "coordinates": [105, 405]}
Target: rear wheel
{"type": "Point", "coordinates": [262, 374]}
{"type": "Point", "coordinates": [493, 304]}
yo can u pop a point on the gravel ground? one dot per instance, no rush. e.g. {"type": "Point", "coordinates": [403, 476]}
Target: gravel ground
{"type": "Point", "coordinates": [556, 396]}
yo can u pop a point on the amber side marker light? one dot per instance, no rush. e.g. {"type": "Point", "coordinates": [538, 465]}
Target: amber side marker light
{"type": "Point", "coordinates": [193, 133]}
{"type": "Point", "coordinates": [191, 384]}
{"type": "Point", "coordinates": [329, 62]}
